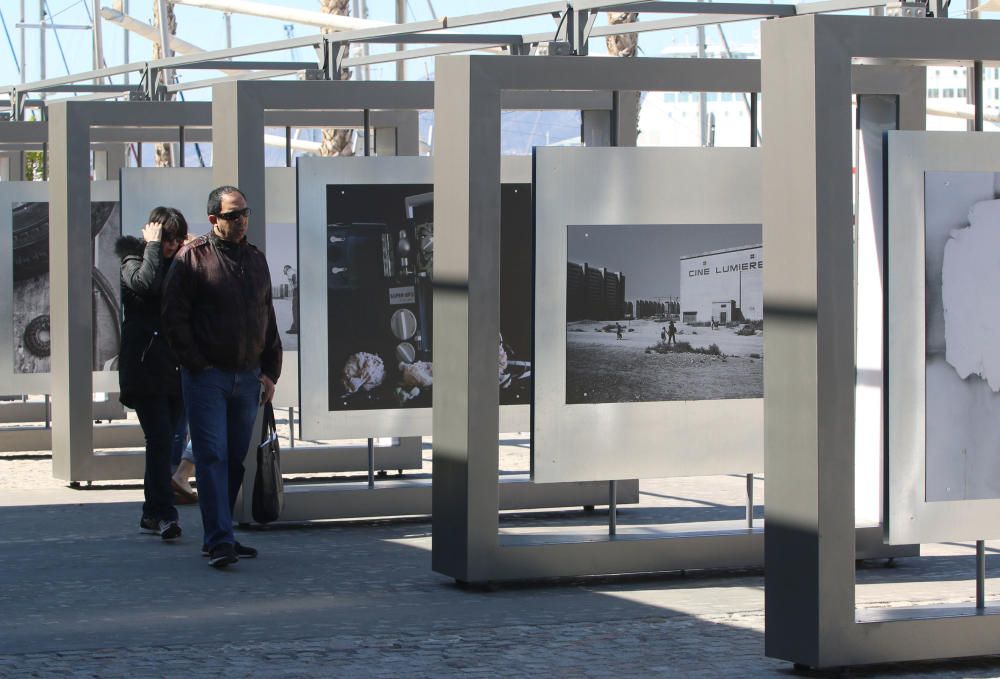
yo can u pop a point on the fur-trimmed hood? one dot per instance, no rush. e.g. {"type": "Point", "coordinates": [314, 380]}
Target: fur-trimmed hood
{"type": "Point", "coordinates": [129, 245]}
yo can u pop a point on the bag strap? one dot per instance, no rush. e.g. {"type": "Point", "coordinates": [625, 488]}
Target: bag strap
{"type": "Point", "coordinates": [269, 424]}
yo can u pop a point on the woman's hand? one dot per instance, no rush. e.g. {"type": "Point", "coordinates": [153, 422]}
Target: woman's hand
{"type": "Point", "coordinates": [152, 232]}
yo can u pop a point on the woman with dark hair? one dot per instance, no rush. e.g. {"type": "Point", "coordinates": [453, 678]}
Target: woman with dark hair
{"type": "Point", "coordinates": [147, 370]}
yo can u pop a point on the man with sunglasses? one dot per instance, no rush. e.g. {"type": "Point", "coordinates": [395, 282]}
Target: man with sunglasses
{"type": "Point", "coordinates": [219, 320]}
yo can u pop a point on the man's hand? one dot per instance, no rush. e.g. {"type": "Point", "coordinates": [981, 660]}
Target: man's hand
{"type": "Point", "coordinates": [152, 232]}
{"type": "Point", "coordinates": [268, 389]}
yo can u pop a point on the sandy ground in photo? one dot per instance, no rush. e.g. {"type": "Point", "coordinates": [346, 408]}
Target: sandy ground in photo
{"type": "Point", "coordinates": [603, 369]}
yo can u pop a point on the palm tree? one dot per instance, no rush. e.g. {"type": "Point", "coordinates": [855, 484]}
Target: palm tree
{"type": "Point", "coordinates": [337, 142]}
{"type": "Point", "coordinates": [624, 44]}
{"type": "Point", "coordinates": [164, 155]}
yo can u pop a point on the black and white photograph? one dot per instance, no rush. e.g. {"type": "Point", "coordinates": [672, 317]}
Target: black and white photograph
{"type": "Point", "coordinates": [665, 312]}
{"type": "Point", "coordinates": [31, 286]}
{"type": "Point", "coordinates": [380, 266]}
{"type": "Point", "coordinates": [962, 370]}
{"type": "Point", "coordinates": [282, 261]}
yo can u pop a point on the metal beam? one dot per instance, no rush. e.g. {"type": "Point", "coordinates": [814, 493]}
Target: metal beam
{"type": "Point", "coordinates": [691, 8]}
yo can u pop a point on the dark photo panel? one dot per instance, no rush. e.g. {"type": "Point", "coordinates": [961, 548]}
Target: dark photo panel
{"type": "Point", "coordinates": [31, 286]}
{"type": "Point", "coordinates": [666, 312]}
{"type": "Point", "coordinates": [380, 268]}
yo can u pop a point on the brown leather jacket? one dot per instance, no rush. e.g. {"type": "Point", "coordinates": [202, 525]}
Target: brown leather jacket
{"type": "Point", "coordinates": [217, 308]}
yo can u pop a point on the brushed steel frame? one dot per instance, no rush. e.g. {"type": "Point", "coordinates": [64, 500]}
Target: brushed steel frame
{"type": "Point", "coordinates": [468, 98]}
{"type": "Point", "coordinates": [811, 615]}
{"type": "Point", "coordinates": [599, 441]}
{"type": "Point", "coordinates": [33, 383]}
{"type": "Point", "coordinates": [71, 125]}
{"type": "Point", "coordinates": [909, 516]}
{"type": "Point", "coordinates": [314, 174]}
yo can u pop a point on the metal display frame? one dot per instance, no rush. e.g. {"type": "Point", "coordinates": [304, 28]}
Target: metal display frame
{"type": "Point", "coordinates": [318, 421]}
{"type": "Point", "coordinates": [909, 515]}
{"type": "Point", "coordinates": [71, 127]}
{"type": "Point", "coordinates": [575, 442]}
{"type": "Point", "coordinates": [280, 181]}
{"type": "Point", "coordinates": [240, 110]}
{"type": "Point", "coordinates": [467, 545]}
{"type": "Point", "coordinates": [811, 614]}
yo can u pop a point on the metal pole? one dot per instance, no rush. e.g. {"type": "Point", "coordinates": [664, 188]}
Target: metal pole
{"type": "Point", "coordinates": [753, 119]}
{"type": "Point", "coordinates": [291, 426]}
{"type": "Point", "coordinates": [125, 38]}
{"type": "Point", "coordinates": [400, 19]}
{"type": "Point", "coordinates": [24, 66]}
{"type": "Point", "coordinates": [48, 412]}
{"type": "Point", "coordinates": [367, 123]}
{"type": "Point", "coordinates": [366, 69]}
{"type": "Point", "coordinates": [180, 144]}
{"type": "Point", "coordinates": [371, 464]}
{"type": "Point", "coordinates": [288, 146]}
{"type": "Point", "coordinates": [98, 40]}
{"type": "Point", "coordinates": [702, 96]}
{"type": "Point", "coordinates": [980, 574]}
{"type": "Point", "coordinates": [229, 29]}
{"type": "Point", "coordinates": [612, 508]}
{"type": "Point", "coordinates": [749, 500]}
{"type": "Point", "coordinates": [977, 95]}
{"type": "Point", "coordinates": [41, 41]}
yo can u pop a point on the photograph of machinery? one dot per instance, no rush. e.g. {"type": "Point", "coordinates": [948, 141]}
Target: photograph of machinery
{"type": "Point", "coordinates": [962, 369]}
{"type": "Point", "coordinates": [664, 313]}
{"type": "Point", "coordinates": [30, 322]}
{"type": "Point", "coordinates": [380, 268]}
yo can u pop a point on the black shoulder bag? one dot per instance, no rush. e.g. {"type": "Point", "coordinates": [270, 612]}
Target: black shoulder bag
{"type": "Point", "coordinates": [268, 487]}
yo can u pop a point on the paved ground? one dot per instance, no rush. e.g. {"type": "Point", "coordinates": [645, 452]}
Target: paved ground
{"type": "Point", "coordinates": [85, 595]}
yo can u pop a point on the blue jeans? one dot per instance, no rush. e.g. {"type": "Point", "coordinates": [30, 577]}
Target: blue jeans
{"type": "Point", "coordinates": [221, 409]}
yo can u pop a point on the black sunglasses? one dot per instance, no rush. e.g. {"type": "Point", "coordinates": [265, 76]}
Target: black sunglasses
{"type": "Point", "coordinates": [233, 215]}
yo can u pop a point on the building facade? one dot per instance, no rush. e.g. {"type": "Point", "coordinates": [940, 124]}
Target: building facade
{"type": "Point", "coordinates": [594, 293]}
{"type": "Point", "coordinates": [724, 286]}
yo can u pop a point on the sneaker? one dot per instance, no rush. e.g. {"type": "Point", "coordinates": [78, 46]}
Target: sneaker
{"type": "Point", "coordinates": [148, 524]}
{"type": "Point", "coordinates": [169, 530]}
{"type": "Point", "coordinates": [242, 551]}
{"type": "Point", "coordinates": [222, 555]}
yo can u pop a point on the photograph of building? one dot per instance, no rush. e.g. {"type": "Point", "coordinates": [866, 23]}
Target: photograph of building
{"type": "Point", "coordinates": [723, 286]}
{"type": "Point", "coordinates": [646, 320]}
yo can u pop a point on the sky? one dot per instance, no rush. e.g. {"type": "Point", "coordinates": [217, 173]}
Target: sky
{"type": "Point", "coordinates": [206, 29]}
{"type": "Point", "coordinates": [649, 255]}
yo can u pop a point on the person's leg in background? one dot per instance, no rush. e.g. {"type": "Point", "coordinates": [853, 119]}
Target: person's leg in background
{"type": "Point", "coordinates": [182, 457]}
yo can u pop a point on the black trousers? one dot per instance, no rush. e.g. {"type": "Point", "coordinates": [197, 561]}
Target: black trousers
{"type": "Point", "coordinates": [159, 415]}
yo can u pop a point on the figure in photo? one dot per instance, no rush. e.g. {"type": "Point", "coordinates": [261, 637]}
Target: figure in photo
{"type": "Point", "coordinates": [672, 333]}
{"type": "Point", "coordinates": [293, 283]}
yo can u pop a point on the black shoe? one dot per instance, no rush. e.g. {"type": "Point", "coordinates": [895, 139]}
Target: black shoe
{"type": "Point", "coordinates": [222, 555]}
{"type": "Point", "coordinates": [242, 551]}
{"type": "Point", "coordinates": [148, 524]}
{"type": "Point", "coordinates": [169, 530]}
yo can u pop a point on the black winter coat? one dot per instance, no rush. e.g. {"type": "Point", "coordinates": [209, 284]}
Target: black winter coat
{"type": "Point", "coordinates": [145, 364]}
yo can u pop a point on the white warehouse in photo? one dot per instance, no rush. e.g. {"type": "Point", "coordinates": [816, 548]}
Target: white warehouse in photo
{"type": "Point", "coordinates": [723, 285]}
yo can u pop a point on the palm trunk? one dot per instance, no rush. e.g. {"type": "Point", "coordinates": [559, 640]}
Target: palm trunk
{"type": "Point", "coordinates": [337, 142]}
{"type": "Point", "coordinates": [164, 154]}
{"type": "Point", "coordinates": [624, 45]}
